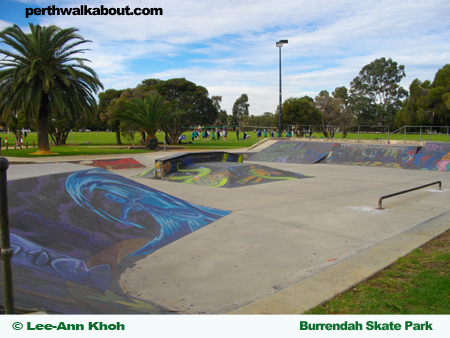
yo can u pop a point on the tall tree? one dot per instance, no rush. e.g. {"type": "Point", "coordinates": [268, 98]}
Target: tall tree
{"type": "Point", "coordinates": [41, 77]}
{"type": "Point", "coordinates": [240, 109]}
{"type": "Point", "coordinates": [335, 114]}
{"type": "Point", "coordinates": [299, 111]}
{"type": "Point", "coordinates": [222, 118]}
{"type": "Point", "coordinates": [376, 94]}
{"type": "Point", "coordinates": [189, 97]}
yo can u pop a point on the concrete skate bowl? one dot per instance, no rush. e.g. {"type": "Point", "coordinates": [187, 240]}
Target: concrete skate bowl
{"type": "Point", "coordinates": [227, 175]}
{"type": "Point", "coordinates": [73, 235]}
{"type": "Point", "coordinates": [215, 169]}
{"type": "Point", "coordinates": [168, 165]}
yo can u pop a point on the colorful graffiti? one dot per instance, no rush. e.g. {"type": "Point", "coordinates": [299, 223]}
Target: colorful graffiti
{"type": "Point", "coordinates": [294, 152]}
{"type": "Point", "coordinates": [168, 165]}
{"type": "Point", "coordinates": [115, 164]}
{"type": "Point", "coordinates": [227, 175]}
{"type": "Point", "coordinates": [74, 234]}
{"type": "Point", "coordinates": [433, 156]}
{"type": "Point", "coordinates": [372, 155]}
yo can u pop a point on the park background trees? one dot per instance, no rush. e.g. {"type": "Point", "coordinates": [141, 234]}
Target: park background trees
{"type": "Point", "coordinates": [428, 102]}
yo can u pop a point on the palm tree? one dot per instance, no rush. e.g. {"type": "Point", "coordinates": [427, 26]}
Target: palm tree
{"type": "Point", "coordinates": [41, 78]}
{"type": "Point", "coordinates": [150, 114]}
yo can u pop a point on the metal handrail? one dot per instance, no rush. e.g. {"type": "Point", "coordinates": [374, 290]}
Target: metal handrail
{"type": "Point", "coordinates": [405, 191]}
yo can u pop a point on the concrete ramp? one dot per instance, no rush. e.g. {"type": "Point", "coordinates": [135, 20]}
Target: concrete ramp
{"type": "Point", "coordinates": [74, 233]}
{"type": "Point", "coordinates": [431, 156]}
{"type": "Point", "coordinates": [295, 152]}
{"type": "Point", "coordinates": [373, 155]}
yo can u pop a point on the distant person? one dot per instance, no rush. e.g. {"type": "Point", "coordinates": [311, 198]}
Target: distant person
{"type": "Point", "coordinates": [272, 133]}
{"type": "Point", "coordinates": [265, 133]}
{"type": "Point", "coordinates": [237, 134]}
{"type": "Point", "coordinates": [258, 134]}
{"type": "Point", "coordinates": [245, 136]}
{"type": "Point", "coordinates": [225, 135]}
{"type": "Point", "coordinates": [213, 136]}
{"type": "Point", "coordinates": [25, 134]}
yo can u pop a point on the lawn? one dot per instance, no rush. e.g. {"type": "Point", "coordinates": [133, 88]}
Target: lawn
{"type": "Point", "coordinates": [418, 283]}
{"type": "Point", "coordinates": [85, 143]}
{"type": "Point", "coordinates": [88, 144]}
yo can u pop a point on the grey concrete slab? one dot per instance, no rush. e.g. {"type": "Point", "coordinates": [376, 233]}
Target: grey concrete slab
{"type": "Point", "coordinates": [282, 234]}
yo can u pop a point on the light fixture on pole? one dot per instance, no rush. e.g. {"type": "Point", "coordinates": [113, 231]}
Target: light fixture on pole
{"type": "Point", "coordinates": [280, 44]}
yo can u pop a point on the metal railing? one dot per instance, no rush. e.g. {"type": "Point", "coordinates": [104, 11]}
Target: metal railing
{"type": "Point", "coordinates": [380, 207]}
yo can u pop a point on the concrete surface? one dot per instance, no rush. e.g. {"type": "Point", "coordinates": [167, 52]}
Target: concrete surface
{"type": "Point", "coordinates": [287, 246]}
{"type": "Point", "coordinates": [280, 235]}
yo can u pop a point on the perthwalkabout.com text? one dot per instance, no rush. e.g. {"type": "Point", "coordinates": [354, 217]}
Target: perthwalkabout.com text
{"type": "Point", "coordinates": [86, 10]}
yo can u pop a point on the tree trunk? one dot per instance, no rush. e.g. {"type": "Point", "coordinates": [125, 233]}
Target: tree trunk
{"type": "Point", "coordinates": [117, 128]}
{"type": "Point", "coordinates": [42, 128]}
{"type": "Point", "coordinates": [142, 138]}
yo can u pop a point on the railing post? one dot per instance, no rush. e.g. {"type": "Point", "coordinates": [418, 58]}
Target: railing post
{"type": "Point", "coordinates": [5, 246]}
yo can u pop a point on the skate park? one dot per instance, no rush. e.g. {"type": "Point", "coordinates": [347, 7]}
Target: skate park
{"type": "Point", "coordinates": [85, 242]}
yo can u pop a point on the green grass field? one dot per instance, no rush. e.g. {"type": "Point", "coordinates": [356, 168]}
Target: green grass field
{"type": "Point", "coordinates": [87, 143]}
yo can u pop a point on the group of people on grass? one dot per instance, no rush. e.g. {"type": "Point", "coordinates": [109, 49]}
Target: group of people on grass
{"type": "Point", "coordinates": [219, 134]}
{"type": "Point", "coordinates": [214, 135]}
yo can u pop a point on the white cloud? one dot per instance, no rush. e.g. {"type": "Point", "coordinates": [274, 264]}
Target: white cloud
{"type": "Point", "coordinates": [229, 46]}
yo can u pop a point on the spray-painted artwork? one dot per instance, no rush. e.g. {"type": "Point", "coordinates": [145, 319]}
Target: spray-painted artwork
{"type": "Point", "coordinates": [294, 152]}
{"type": "Point", "coordinates": [170, 164]}
{"type": "Point", "coordinates": [217, 174]}
{"type": "Point", "coordinates": [372, 155]}
{"type": "Point", "coordinates": [115, 164]}
{"type": "Point", "coordinates": [73, 235]}
{"type": "Point", "coordinates": [433, 156]}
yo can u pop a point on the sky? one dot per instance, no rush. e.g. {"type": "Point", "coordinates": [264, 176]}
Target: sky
{"type": "Point", "coordinates": [228, 46]}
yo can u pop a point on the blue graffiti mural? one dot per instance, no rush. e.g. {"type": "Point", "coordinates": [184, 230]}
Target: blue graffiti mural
{"type": "Point", "coordinates": [73, 234]}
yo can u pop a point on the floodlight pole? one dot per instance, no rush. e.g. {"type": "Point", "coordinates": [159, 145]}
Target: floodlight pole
{"type": "Point", "coordinates": [280, 44]}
